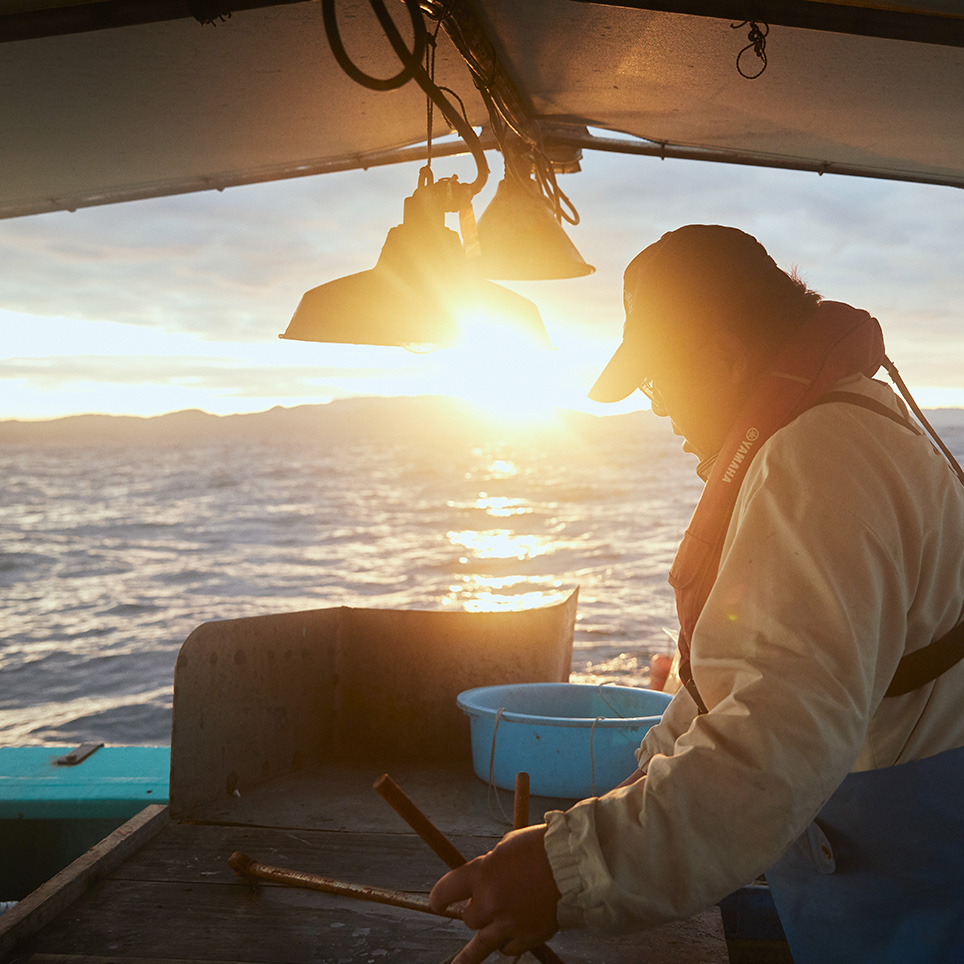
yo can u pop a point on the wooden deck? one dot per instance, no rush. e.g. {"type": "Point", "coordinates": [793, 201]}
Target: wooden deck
{"type": "Point", "coordinates": [282, 724]}
{"type": "Point", "coordinates": [174, 898]}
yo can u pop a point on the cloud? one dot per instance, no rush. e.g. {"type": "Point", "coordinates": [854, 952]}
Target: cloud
{"type": "Point", "coordinates": [211, 278]}
{"type": "Point", "coordinates": [152, 385]}
{"type": "Point", "coordinates": [137, 370]}
{"type": "Point", "coordinates": [887, 246]}
{"type": "Point", "coordinates": [228, 266]}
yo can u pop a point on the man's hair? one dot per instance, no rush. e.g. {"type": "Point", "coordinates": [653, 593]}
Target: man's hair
{"type": "Point", "coordinates": [701, 276]}
{"type": "Point", "coordinates": [774, 311]}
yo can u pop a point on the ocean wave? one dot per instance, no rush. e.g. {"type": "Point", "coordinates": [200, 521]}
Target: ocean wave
{"type": "Point", "coordinates": [114, 556]}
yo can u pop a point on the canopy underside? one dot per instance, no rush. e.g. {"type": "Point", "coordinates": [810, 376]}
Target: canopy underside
{"type": "Point", "coordinates": [167, 106]}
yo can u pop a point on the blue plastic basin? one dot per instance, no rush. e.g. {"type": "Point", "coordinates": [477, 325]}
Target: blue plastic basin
{"type": "Point", "coordinates": [575, 740]}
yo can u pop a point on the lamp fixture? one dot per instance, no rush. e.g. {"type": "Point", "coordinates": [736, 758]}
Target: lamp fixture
{"type": "Point", "coordinates": [521, 239]}
{"type": "Point", "coordinates": [421, 292]}
{"type": "Point", "coordinates": [424, 290]}
{"type": "Point", "coordinates": [520, 233]}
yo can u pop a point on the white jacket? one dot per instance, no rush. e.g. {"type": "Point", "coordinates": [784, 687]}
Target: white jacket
{"type": "Point", "coordinates": [844, 552]}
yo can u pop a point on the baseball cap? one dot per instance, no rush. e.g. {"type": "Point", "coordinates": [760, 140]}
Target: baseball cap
{"type": "Point", "coordinates": [688, 277]}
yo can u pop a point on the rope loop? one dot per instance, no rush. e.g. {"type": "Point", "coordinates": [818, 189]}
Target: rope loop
{"type": "Point", "coordinates": [758, 44]}
{"type": "Point", "coordinates": [330, 18]}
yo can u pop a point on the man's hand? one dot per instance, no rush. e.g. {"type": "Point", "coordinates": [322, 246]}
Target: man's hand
{"type": "Point", "coordinates": [511, 894]}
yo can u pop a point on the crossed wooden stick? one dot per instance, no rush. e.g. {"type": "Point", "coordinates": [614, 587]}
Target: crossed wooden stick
{"type": "Point", "coordinates": [403, 805]}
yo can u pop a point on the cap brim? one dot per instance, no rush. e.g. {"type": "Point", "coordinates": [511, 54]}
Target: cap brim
{"type": "Point", "coordinates": [620, 378]}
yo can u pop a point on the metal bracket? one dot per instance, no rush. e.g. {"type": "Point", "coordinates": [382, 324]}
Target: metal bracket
{"type": "Point", "coordinates": [79, 755]}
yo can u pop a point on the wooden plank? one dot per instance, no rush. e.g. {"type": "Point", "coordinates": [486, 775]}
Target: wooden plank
{"type": "Point", "coordinates": [275, 679]}
{"type": "Point", "coordinates": [270, 924]}
{"type": "Point", "coordinates": [340, 796]}
{"type": "Point", "coordinates": [176, 899]}
{"type": "Point", "coordinates": [243, 922]}
{"type": "Point", "coordinates": [401, 671]}
{"type": "Point", "coordinates": [48, 900]}
{"type": "Point", "coordinates": [100, 959]}
{"type": "Point", "coordinates": [198, 854]}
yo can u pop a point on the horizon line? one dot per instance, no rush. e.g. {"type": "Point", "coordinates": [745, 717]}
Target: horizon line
{"type": "Point", "coordinates": [350, 398]}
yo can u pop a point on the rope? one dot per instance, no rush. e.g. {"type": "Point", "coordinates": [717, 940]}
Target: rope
{"type": "Point", "coordinates": [603, 697]}
{"type": "Point", "coordinates": [492, 787]}
{"type": "Point", "coordinates": [430, 48]}
{"type": "Point", "coordinates": [592, 759]}
{"type": "Point", "coordinates": [758, 44]}
{"type": "Point", "coordinates": [412, 68]}
{"type": "Point", "coordinates": [891, 370]}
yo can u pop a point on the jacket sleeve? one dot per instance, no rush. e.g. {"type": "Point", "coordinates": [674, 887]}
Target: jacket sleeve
{"type": "Point", "coordinates": [675, 721]}
{"type": "Point", "coordinates": [792, 653]}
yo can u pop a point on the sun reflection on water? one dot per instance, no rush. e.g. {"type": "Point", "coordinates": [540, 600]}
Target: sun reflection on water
{"type": "Point", "coordinates": [480, 593]}
{"type": "Point", "coordinates": [501, 469]}
{"type": "Point", "coordinates": [501, 506]}
{"type": "Point", "coordinates": [500, 544]}
{"type": "Point", "coordinates": [496, 559]}
{"type": "Point", "coordinates": [129, 547]}
{"type": "Point", "coordinates": [482, 602]}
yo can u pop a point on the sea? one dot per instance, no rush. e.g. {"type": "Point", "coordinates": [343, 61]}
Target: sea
{"type": "Point", "coordinates": [117, 539]}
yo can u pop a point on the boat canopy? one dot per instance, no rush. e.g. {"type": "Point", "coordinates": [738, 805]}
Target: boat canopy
{"type": "Point", "coordinates": [113, 100]}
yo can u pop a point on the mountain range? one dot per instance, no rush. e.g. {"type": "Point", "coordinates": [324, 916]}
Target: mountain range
{"type": "Point", "coordinates": [342, 420]}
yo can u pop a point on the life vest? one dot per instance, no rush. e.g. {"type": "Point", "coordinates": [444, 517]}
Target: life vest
{"type": "Point", "coordinates": [835, 342]}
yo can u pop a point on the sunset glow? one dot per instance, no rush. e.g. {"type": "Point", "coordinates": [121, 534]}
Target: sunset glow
{"type": "Point", "coordinates": [136, 309]}
{"type": "Point", "coordinates": [504, 369]}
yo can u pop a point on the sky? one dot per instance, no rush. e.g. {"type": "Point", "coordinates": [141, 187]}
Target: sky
{"type": "Point", "coordinates": [155, 306]}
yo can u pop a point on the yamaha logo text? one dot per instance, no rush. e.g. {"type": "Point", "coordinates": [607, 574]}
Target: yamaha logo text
{"type": "Point", "coordinates": [741, 453]}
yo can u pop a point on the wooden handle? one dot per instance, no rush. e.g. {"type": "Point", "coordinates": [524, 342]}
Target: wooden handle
{"type": "Point", "coordinates": [402, 804]}
{"type": "Point", "coordinates": [244, 866]}
{"type": "Point", "coordinates": [520, 802]}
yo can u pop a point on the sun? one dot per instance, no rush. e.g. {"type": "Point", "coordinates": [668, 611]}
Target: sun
{"type": "Point", "coordinates": [505, 371]}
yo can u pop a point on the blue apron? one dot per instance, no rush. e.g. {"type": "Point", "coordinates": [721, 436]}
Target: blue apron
{"type": "Point", "coordinates": [879, 876]}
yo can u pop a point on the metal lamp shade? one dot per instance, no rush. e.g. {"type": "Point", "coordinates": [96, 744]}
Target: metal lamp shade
{"type": "Point", "coordinates": [521, 239]}
{"type": "Point", "coordinates": [402, 301]}
{"type": "Point", "coordinates": [415, 296]}
{"type": "Point", "coordinates": [514, 313]}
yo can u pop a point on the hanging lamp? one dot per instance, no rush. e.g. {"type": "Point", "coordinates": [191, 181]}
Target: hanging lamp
{"type": "Point", "coordinates": [424, 291]}
{"type": "Point", "coordinates": [420, 292]}
{"type": "Point", "coordinates": [522, 240]}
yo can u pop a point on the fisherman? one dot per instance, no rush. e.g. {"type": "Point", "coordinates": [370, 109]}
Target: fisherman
{"type": "Point", "coordinates": [827, 545]}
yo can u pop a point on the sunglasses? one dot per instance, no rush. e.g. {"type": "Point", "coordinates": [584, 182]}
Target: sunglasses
{"type": "Point", "coordinates": [647, 387]}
